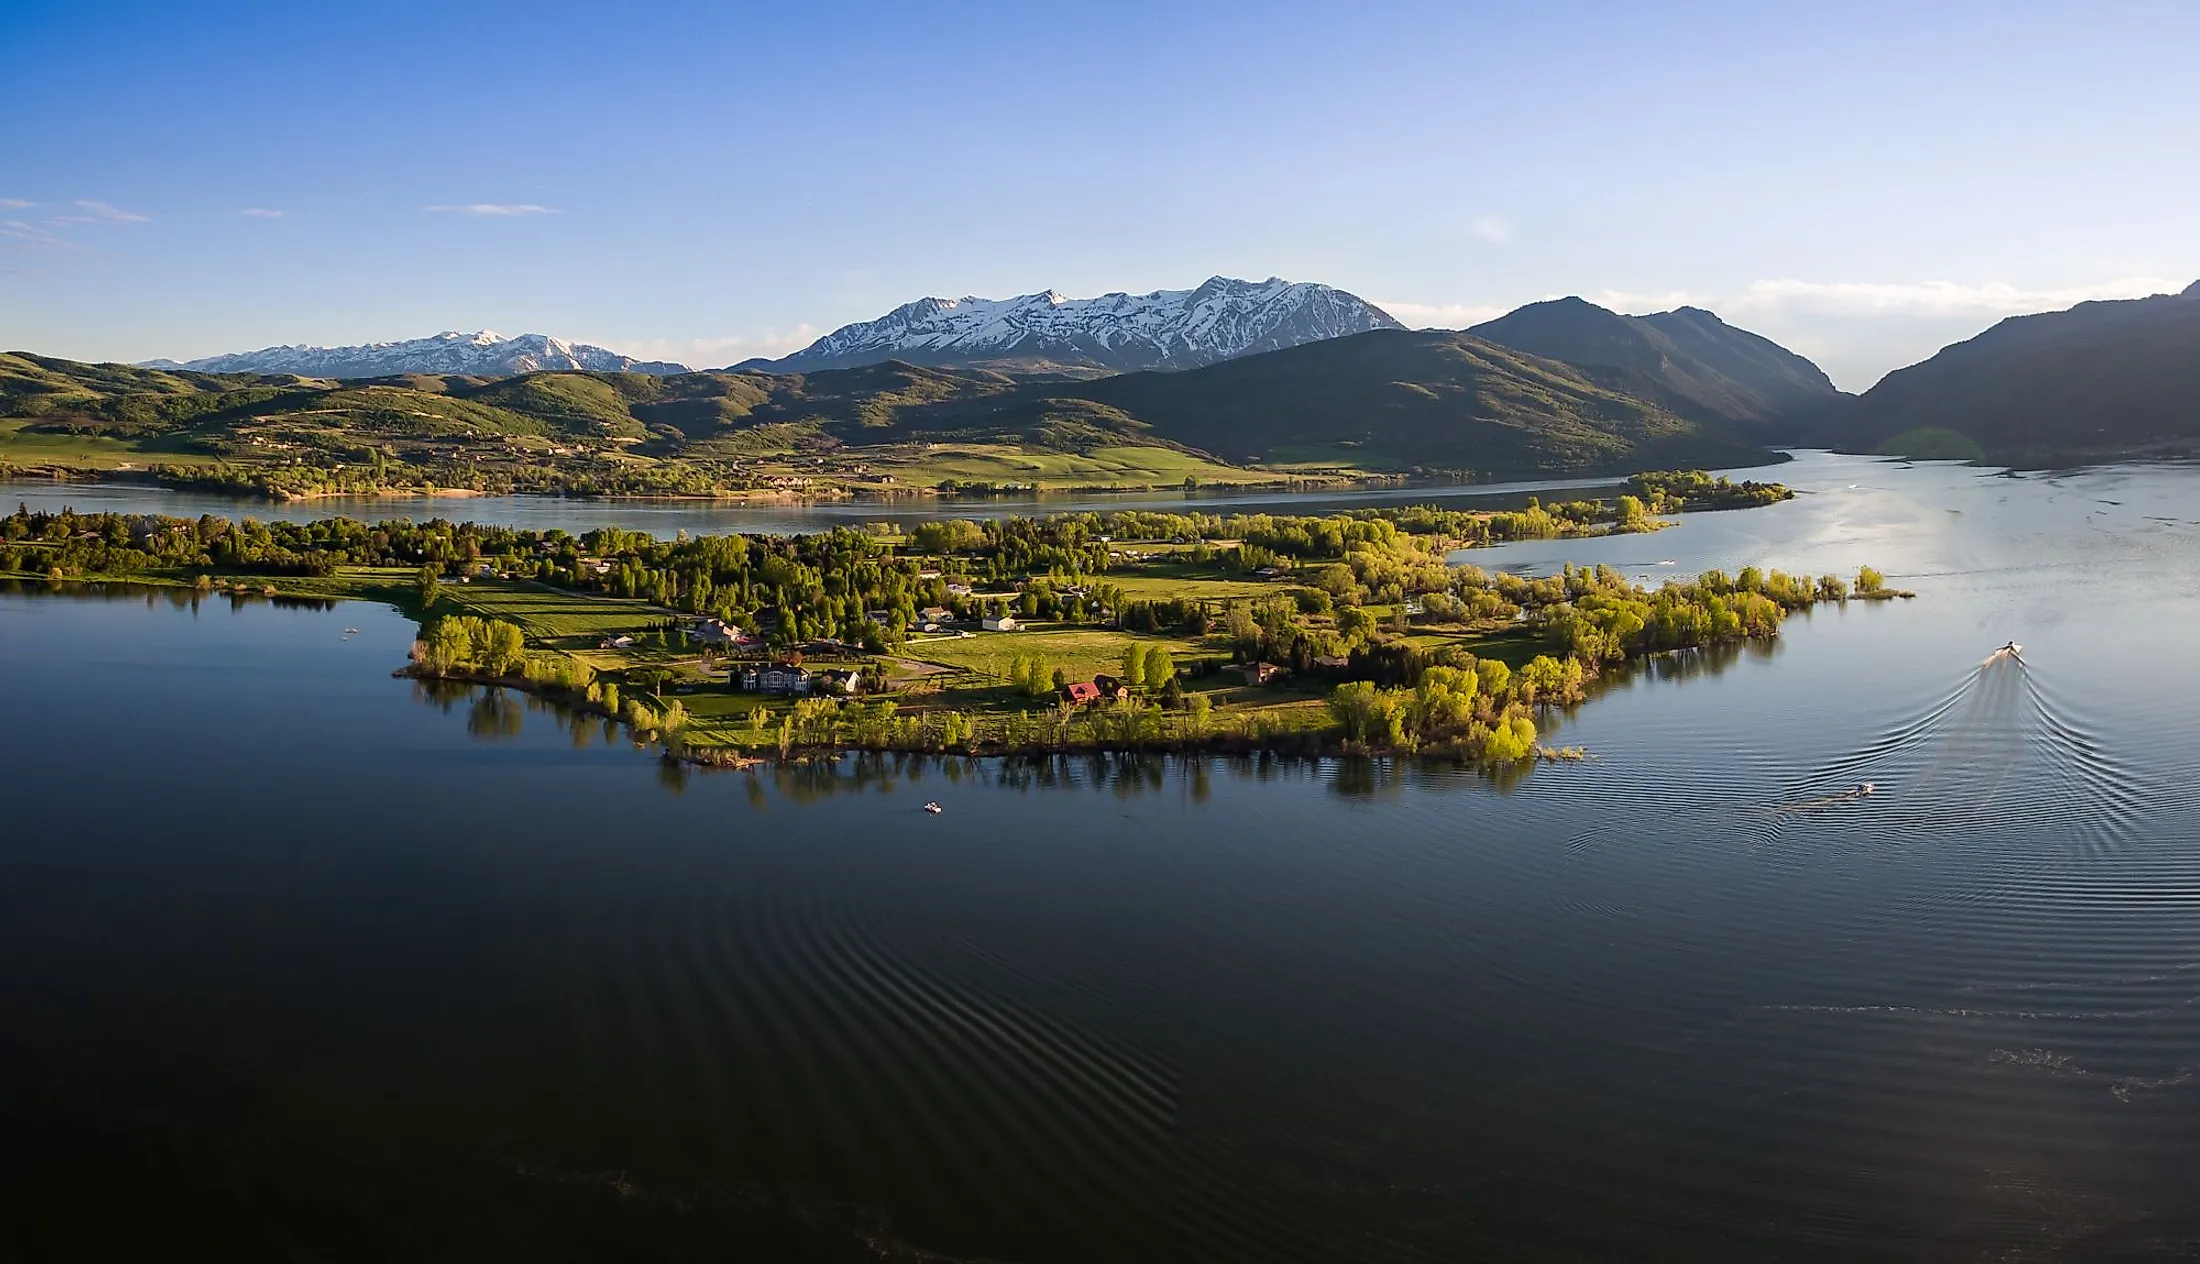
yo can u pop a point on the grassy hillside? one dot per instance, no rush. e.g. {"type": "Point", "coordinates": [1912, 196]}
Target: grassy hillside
{"type": "Point", "coordinates": [1688, 360]}
{"type": "Point", "coordinates": [2099, 381]}
{"type": "Point", "coordinates": [1391, 401]}
{"type": "Point", "coordinates": [1406, 399]}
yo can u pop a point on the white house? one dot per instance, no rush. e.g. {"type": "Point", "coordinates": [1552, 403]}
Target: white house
{"type": "Point", "coordinates": [999, 623]}
{"type": "Point", "coordinates": [776, 678]}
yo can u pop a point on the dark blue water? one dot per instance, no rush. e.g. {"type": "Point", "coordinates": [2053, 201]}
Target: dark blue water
{"type": "Point", "coordinates": [300, 962]}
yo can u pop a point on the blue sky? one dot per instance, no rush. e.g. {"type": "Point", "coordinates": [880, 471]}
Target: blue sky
{"type": "Point", "coordinates": [1862, 182]}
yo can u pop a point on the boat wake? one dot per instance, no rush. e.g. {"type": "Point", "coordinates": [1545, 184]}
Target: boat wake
{"type": "Point", "coordinates": [1998, 749]}
{"type": "Point", "coordinates": [1998, 755]}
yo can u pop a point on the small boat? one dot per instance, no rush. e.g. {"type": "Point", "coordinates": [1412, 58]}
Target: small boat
{"type": "Point", "coordinates": [934, 808]}
{"type": "Point", "coordinates": [2012, 649]}
{"type": "Point", "coordinates": [1666, 561]}
{"type": "Point", "coordinates": [1864, 787]}
{"type": "Point", "coordinates": [351, 631]}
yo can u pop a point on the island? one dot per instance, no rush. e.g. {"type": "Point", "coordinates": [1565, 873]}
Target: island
{"type": "Point", "coordinates": [1350, 632]}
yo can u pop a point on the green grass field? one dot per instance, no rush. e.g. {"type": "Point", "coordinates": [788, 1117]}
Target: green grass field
{"type": "Point", "coordinates": [92, 452]}
{"type": "Point", "coordinates": [1079, 651]}
{"type": "Point", "coordinates": [1126, 466]}
{"type": "Point", "coordinates": [1154, 583]}
{"type": "Point", "coordinates": [558, 620]}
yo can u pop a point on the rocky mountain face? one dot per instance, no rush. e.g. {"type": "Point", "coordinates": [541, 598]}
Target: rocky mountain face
{"type": "Point", "coordinates": [483, 354]}
{"type": "Point", "coordinates": [1167, 329]}
{"type": "Point", "coordinates": [2101, 380]}
{"type": "Point", "coordinates": [1687, 359]}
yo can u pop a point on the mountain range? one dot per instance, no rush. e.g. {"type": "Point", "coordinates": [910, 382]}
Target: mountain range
{"type": "Point", "coordinates": [1687, 360]}
{"type": "Point", "coordinates": [483, 354]}
{"type": "Point", "coordinates": [2101, 380]}
{"type": "Point", "coordinates": [1388, 400]}
{"type": "Point", "coordinates": [1271, 373]}
{"type": "Point", "coordinates": [1167, 329]}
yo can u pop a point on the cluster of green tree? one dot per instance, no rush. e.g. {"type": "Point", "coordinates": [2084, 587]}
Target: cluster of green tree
{"type": "Point", "coordinates": [1605, 619]}
{"type": "Point", "coordinates": [499, 473]}
{"type": "Point", "coordinates": [1382, 528]}
{"type": "Point", "coordinates": [462, 643]}
{"type": "Point", "coordinates": [1181, 614]}
{"type": "Point", "coordinates": [1690, 491]}
{"type": "Point", "coordinates": [1476, 709]}
{"type": "Point", "coordinates": [1151, 670]}
{"type": "Point", "coordinates": [1033, 678]}
{"type": "Point", "coordinates": [114, 544]}
{"type": "Point", "coordinates": [1127, 723]}
{"type": "Point", "coordinates": [1439, 711]}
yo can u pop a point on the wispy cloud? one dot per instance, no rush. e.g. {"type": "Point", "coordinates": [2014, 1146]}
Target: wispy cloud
{"type": "Point", "coordinates": [1932, 298]}
{"type": "Point", "coordinates": [29, 234]}
{"type": "Point", "coordinates": [89, 211]}
{"type": "Point", "coordinates": [1637, 304]}
{"type": "Point", "coordinates": [261, 212]}
{"type": "Point", "coordinates": [15, 204]}
{"type": "Point", "coordinates": [1490, 228]}
{"type": "Point", "coordinates": [494, 209]}
{"type": "Point", "coordinates": [1439, 315]}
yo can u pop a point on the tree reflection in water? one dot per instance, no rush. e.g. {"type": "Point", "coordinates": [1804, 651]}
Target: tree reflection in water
{"type": "Point", "coordinates": [495, 716]}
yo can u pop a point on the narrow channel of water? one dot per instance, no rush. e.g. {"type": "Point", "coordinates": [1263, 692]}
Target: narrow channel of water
{"type": "Point", "coordinates": [665, 518]}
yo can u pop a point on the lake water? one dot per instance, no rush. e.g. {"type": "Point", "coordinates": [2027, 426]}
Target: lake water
{"type": "Point", "coordinates": [665, 518]}
{"type": "Point", "coordinates": [295, 956]}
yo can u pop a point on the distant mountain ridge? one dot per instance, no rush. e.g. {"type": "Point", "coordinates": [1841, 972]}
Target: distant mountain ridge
{"type": "Point", "coordinates": [1388, 400]}
{"type": "Point", "coordinates": [1432, 399]}
{"type": "Point", "coordinates": [483, 354]}
{"type": "Point", "coordinates": [1168, 329]}
{"type": "Point", "coordinates": [2100, 380]}
{"type": "Point", "coordinates": [1687, 359]}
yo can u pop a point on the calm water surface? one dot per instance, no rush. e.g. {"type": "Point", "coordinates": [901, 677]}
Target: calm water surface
{"type": "Point", "coordinates": [664, 518]}
{"type": "Point", "coordinates": [292, 953]}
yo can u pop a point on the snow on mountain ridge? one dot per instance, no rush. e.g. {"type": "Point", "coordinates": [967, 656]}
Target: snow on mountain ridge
{"type": "Point", "coordinates": [482, 354]}
{"type": "Point", "coordinates": [1167, 329]}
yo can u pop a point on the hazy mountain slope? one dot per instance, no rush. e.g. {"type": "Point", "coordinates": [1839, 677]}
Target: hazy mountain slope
{"type": "Point", "coordinates": [1387, 399]}
{"type": "Point", "coordinates": [1414, 398]}
{"type": "Point", "coordinates": [1167, 329]}
{"type": "Point", "coordinates": [1784, 380]}
{"type": "Point", "coordinates": [216, 409]}
{"type": "Point", "coordinates": [1688, 360]}
{"type": "Point", "coordinates": [2100, 380]}
{"type": "Point", "coordinates": [483, 354]}
{"type": "Point", "coordinates": [36, 385]}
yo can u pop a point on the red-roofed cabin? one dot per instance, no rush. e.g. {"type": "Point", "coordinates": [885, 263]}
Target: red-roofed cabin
{"type": "Point", "coordinates": [1082, 691]}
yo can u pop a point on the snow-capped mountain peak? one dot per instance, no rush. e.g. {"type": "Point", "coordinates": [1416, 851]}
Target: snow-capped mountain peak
{"type": "Point", "coordinates": [1168, 329]}
{"type": "Point", "coordinates": [481, 354]}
